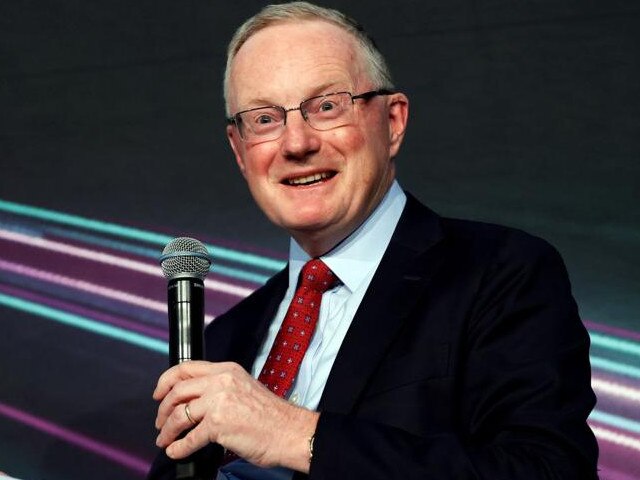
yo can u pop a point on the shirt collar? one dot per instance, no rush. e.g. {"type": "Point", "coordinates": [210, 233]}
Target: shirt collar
{"type": "Point", "coordinates": [354, 259]}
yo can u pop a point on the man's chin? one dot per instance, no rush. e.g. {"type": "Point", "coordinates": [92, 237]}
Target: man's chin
{"type": "Point", "coordinates": [307, 227]}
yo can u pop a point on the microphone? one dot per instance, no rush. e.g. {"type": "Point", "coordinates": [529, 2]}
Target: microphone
{"type": "Point", "coordinates": [185, 262]}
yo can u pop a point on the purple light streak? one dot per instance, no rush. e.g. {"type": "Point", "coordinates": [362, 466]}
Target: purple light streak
{"type": "Point", "coordinates": [617, 331]}
{"type": "Point", "coordinates": [86, 443]}
{"type": "Point", "coordinates": [608, 473]}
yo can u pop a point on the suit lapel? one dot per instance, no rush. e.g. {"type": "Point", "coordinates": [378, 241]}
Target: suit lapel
{"type": "Point", "coordinates": [394, 290]}
{"type": "Point", "coordinates": [251, 322]}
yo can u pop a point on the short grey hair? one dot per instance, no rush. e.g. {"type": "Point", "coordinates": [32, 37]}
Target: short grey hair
{"type": "Point", "coordinates": [375, 63]}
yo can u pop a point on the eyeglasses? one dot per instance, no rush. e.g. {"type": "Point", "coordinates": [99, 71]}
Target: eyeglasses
{"type": "Point", "coordinates": [323, 112]}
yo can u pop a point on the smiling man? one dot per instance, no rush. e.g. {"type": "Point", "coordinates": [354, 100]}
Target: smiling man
{"type": "Point", "coordinates": [318, 171]}
{"type": "Point", "coordinates": [396, 343]}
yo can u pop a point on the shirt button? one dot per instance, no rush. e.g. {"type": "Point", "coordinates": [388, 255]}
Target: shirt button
{"type": "Point", "coordinates": [294, 398]}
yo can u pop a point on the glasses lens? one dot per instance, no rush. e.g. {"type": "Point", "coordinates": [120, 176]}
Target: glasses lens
{"type": "Point", "coordinates": [260, 122]}
{"type": "Point", "coordinates": [328, 111]}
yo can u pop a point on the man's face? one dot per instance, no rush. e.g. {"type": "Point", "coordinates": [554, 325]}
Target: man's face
{"type": "Point", "coordinates": [283, 65]}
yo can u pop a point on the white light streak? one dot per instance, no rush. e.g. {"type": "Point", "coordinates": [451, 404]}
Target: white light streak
{"type": "Point", "coordinates": [614, 389]}
{"type": "Point", "coordinates": [616, 438]}
{"type": "Point", "coordinates": [113, 260]}
{"type": "Point", "coordinates": [88, 287]}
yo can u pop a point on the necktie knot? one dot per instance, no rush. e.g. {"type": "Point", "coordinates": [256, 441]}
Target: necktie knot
{"type": "Point", "coordinates": [317, 276]}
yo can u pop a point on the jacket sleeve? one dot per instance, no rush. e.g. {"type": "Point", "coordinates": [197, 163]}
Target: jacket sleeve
{"type": "Point", "coordinates": [522, 386]}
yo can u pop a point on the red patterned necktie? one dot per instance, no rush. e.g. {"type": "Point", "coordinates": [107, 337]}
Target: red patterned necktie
{"type": "Point", "coordinates": [295, 333]}
{"type": "Point", "coordinates": [299, 323]}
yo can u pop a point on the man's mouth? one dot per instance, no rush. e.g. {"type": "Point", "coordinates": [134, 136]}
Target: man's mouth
{"type": "Point", "coordinates": [309, 179]}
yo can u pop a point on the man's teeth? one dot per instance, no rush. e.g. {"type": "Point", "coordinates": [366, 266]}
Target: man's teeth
{"type": "Point", "coordinates": [308, 179]}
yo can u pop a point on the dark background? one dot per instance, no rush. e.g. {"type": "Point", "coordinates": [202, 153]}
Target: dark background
{"type": "Point", "coordinates": [522, 112]}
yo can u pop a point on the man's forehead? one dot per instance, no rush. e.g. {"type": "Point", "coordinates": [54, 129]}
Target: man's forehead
{"type": "Point", "coordinates": [296, 56]}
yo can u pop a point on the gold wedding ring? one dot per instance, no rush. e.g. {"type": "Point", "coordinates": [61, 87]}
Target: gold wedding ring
{"type": "Point", "coordinates": [188, 414]}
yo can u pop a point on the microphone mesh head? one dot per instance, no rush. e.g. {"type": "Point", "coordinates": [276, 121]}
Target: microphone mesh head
{"type": "Point", "coordinates": [185, 257]}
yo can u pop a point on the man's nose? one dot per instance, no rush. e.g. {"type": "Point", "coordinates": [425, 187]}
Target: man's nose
{"type": "Point", "coordinates": [299, 139]}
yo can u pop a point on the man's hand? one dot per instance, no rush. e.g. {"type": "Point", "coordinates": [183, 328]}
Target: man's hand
{"type": "Point", "coordinates": [233, 409]}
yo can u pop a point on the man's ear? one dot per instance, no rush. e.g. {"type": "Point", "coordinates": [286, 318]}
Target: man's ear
{"type": "Point", "coordinates": [236, 145]}
{"type": "Point", "coordinates": [398, 117]}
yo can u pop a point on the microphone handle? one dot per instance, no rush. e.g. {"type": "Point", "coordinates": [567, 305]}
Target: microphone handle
{"type": "Point", "coordinates": [186, 319]}
{"type": "Point", "coordinates": [186, 342]}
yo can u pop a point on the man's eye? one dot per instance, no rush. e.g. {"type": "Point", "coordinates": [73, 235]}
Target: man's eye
{"type": "Point", "coordinates": [326, 106]}
{"type": "Point", "coordinates": [264, 119]}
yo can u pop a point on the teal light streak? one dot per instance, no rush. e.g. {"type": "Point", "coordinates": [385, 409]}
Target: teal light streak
{"type": "Point", "coordinates": [31, 231]}
{"type": "Point", "coordinates": [239, 274]}
{"type": "Point", "coordinates": [615, 421]}
{"type": "Point", "coordinates": [615, 367]}
{"type": "Point", "coordinates": [85, 324]}
{"type": "Point", "coordinates": [150, 253]}
{"type": "Point", "coordinates": [136, 234]}
{"type": "Point", "coordinates": [612, 343]}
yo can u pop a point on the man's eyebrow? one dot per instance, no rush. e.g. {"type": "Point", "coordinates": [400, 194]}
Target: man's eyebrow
{"type": "Point", "coordinates": [319, 90]}
{"type": "Point", "coordinates": [257, 103]}
{"type": "Point", "coordinates": [329, 87]}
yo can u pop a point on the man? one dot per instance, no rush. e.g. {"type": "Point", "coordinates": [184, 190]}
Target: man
{"type": "Point", "coordinates": [443, 349]}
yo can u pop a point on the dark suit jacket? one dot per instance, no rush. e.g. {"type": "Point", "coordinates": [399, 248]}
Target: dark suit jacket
{"type": "Point", "coordinates": [465, 360]}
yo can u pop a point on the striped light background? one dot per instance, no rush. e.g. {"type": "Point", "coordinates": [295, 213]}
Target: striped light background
{"type": "Point", "coordinates": [69, 270]}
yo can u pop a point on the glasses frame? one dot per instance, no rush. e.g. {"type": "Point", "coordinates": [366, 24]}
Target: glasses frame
{"type": "Point", "coordinates": [234, 119]}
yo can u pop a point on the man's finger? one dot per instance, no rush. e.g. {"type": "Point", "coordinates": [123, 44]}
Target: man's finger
{"type": "Point", "coordinates": [181, 393]}
{"type": "Point", "coordinates": [175, 424]}
{"type": "Point", "coordinates": [183, 371]}
{"type": "Point", "coordinates": [190, 443]}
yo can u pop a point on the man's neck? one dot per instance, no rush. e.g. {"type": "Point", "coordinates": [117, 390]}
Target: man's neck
{"type": "Point", "coordinates": [317, 244]}
{"type": "Point", "coordinates": [320, 242]}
